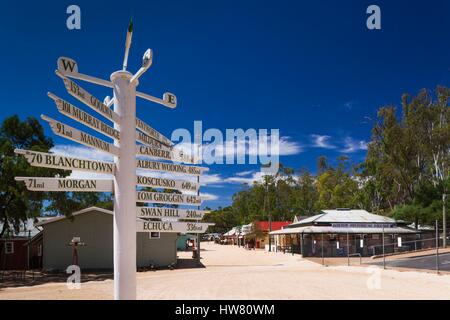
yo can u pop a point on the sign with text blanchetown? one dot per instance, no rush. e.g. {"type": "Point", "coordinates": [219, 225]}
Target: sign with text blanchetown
{"type": "Point", "coordinates": [67, 184]}
{"type": "Point", "coordinates": [172, 226]}
{"type": "Point", "coordinates": [168, 198]}
{"type": "Point", "coordinates": [55, 161]}
{"type": "Point", "coordinates": [63, 130]}
{"type": "Point", "coordinates": [161, 212]}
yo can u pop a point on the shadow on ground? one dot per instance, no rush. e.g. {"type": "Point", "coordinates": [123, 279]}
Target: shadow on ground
{"type": "Point", "coordinates": [12, 279]}
{"type": "Point", "coordinates": [189, 264]}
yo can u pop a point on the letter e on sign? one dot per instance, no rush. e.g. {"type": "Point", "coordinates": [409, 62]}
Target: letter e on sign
{"type": "Point", "coordinates": [74, 20]}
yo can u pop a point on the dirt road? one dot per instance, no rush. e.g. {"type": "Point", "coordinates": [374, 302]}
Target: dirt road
{"type": "Point", "coordinates": [234, 273]}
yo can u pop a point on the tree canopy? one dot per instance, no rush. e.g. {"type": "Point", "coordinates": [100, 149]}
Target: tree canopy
{"type": "Point", "coordinates": [404, 174]}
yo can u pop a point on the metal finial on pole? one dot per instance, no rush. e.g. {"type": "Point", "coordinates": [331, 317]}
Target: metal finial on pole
{"type": "Point", "coordinates": [128, 44]}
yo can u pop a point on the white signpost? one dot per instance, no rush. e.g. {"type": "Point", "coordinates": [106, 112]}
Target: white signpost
{"type": "Point", "coordinates": [126, 130]}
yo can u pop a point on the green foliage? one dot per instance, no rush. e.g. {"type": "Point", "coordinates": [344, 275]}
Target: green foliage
{"type": "Point", "coordinates": [17, 204]}
{"type": "Point", "coordinates": [404, 175]}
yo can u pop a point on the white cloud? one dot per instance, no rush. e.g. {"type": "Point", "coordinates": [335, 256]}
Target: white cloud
{"type": "Point", "coordinates": [244, 173]}
{"type": "Point", "coordinates": [351, 145]}
{"type": "Point", "coordinates": [247, 147]}
{"type": "Point", "coordinates": [208, 196]}
{"type": "Point", "coordinates": [81, 152]}
{"type": "Point", "coordinates": [256, 176]}
{"type": "Point", "coordinates": [321, 141]}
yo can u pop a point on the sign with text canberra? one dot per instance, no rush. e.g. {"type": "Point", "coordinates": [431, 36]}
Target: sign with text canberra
{"type": "Point", "coordinates": [133, 140]}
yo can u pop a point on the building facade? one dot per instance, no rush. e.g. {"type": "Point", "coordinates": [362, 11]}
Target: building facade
{"type": "Point", "coordinates": [342, 232]}
{"type": "Point", "coordinates": [93, 229]}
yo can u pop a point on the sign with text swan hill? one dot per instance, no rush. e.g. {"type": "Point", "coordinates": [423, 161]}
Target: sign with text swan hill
{"type": "Point", "coordinates": [55, 161]}
{"type": "Point", "coordinates": [161, 212]}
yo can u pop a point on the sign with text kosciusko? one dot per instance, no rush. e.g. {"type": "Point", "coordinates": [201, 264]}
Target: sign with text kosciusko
{"type": "Point", "coordinates": [172, 226]}
{"type": "Point", "coordinates": [166, 183]}
{"type": "Point", "coordinates": [162, 212]}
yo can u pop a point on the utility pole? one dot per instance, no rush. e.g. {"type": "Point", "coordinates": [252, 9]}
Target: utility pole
{"type": "Point", "coordinates": [444, 221]}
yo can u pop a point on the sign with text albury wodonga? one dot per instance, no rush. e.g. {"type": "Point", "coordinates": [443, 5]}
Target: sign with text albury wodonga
{"type": "Point", "coordinates": [169, 167]}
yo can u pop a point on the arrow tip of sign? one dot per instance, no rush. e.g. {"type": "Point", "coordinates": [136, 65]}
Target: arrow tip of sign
{"type": "Point", "coordinates": [59, 74]}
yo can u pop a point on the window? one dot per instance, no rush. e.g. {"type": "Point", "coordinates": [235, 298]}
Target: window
{"type": "Point", "coordinates": [9, 247]}
{"type": "Point", "coordinates": [154, 235]}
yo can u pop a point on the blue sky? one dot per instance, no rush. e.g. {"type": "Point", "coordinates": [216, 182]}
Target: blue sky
{"type": "Point", "coordinates": [309, 68]}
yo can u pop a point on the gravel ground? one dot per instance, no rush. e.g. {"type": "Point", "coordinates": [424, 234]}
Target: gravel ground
{"type": "Point", "coordinates": [235, 273]}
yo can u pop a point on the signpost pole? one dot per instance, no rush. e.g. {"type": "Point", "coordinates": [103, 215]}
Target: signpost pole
{"type": "Point", "coordinates": [198, 235]}
{"type": "Point", "coordinates": [125, 188]}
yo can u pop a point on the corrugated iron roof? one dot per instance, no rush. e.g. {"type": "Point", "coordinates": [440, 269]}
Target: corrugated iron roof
{"type": "Point", "coordinates": [329, 229]}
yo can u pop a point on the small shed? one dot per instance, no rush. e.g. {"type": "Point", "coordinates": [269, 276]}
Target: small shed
{"type": "Point", "coordinates": [93, 227]}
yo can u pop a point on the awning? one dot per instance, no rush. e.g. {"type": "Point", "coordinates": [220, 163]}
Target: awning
{"type": "Point", "coordinates": [330, 229]}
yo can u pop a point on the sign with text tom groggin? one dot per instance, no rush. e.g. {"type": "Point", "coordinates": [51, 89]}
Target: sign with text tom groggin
{"type": "Point", "coordinates": [125, 131]}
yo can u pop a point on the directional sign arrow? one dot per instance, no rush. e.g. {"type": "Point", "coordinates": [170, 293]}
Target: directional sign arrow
{"type": "Point", "coordinates": [174, 155]}
{"type": "Point", "coordinates": [76, 135]}
{"type": "Point", "coordinates": [142, 126]}
{"type": "Point", "coordinates": [83, 117]}
{"type": "Point", "coordinates": [174, 227]}
{"type": "Point", "coordinates": [168, 198]}
{"type": "Point", "coordinates": [158, 212]}
{"type": "Point", "coordinates": [50, 160]}
{"type": "Point", "coordinates": [88, 99]}
{"type": "Point", "coordinates": [151, 142]}
{"type": "Point", "coordinates": [67, 185]}
{"type": "Point", "coordinates": [167, 183]}
{"type": "Point", "coordinates": [169, 167]}
{"type": "Point", "coordinates": [69, 68]}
